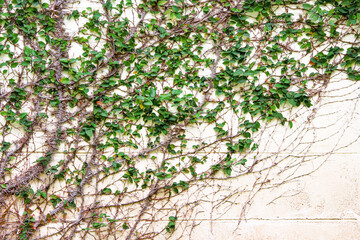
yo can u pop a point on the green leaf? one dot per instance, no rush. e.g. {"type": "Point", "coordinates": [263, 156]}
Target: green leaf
{"type": "Point", "coordinates": [238, 72]}
{"type": "Point", "coordinates": [125, 226]}
{"type": "Point", "coordinates": [14, 65]}
{"type": "Point", "coordinates": [132, 57]}
{"type": "Point", "coordinates": [162, 2]}
{"type": "Point", "coordinates": [116, 166]}
{"type": "Point", "coordinates": [307, 6]}
{"type": "Point", "coordinates": [176, 92]}
{"type": "Point", "coordinates": [106, 191]}
{"type": "Point", "coordinates": [148, 103]}
{"type": "Point", "coordinates": [175, 8]}
{"type": "Point", "coordinates": [25, 63]}
{"type": "Point", "coordinates": [206, 9]}
{"type": "Point", "coordinates": [43, 194]}
{"type": "Point", "coordinates": [108, 5]}
{"type": "Point", "coordinates": [89, 132]}
{"type": "Point", "coordinates": [65, 80]}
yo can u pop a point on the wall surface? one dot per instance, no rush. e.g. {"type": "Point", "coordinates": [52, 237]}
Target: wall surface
{"type": "Point", "coordinates": [302, 183]}
{"type": "Point", "coordinates": [323, 203]}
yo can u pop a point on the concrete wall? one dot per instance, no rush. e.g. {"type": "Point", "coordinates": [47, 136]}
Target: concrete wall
{"type": "Point", "coordinates": [323, 202]}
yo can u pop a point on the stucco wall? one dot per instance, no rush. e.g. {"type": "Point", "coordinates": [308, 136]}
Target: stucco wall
{"type": "Point", "coordinates": [323, 204]}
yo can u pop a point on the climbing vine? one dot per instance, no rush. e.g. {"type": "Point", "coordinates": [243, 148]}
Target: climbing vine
{"type": "Point", "coordinates": [121, 118]}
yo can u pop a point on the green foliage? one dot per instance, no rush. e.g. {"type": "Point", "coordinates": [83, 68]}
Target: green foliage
{"type": "Point", "coordinates": [171, 225]}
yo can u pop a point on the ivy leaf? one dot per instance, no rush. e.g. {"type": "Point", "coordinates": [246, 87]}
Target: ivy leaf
{"type": "Point", "coordinates": [89, 133]}
{"type": "Point", "coordinates": [108, 5]}
{"type": "Point", "coordinates": [238, 72]}
{"type": "Point", "coordinates": [148, 103]}
{"type": "Point", "coordinates": [25, 63]}
{"type": "Point", "coordinates": [106, 191]}
{"type": "Point", "coordinates": [206, 9]}
{"type": "Point", "coordinates": [43, 194]}
{"type": "Point", "coordinates": [307, 6]}
{"type": "Point", "coordinates": [175, 8]}
{"type": "Point", "coordinates": [116, 166]}
{"type": "Point", "coordinates": [176, 92]}
{"type": "Point", "coordinates": [125, 226]}
{"type": "Point", "coordinates": [161, 3]}
{"type": "Point", "coordinates": [65, 80]}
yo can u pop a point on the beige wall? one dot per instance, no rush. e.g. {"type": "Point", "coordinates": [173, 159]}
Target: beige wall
{"type": "Point", "coordinates": [322, 204]}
